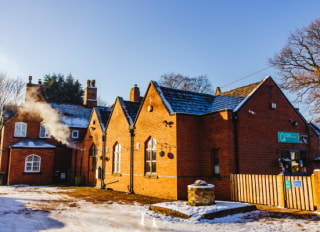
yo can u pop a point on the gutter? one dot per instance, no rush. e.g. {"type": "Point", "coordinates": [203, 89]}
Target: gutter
{"type": "Point", "coordinates": [130, 187]}
{"type": "Point", "coordinates": [103, 159]}
{"type": "Point", "coordinates": [235, 121]}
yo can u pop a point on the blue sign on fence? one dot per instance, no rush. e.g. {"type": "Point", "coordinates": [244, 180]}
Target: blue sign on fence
{"type": "Point", "coordinates": [296, 183]}
{"type": "Point", "coordinates": [288, 184]}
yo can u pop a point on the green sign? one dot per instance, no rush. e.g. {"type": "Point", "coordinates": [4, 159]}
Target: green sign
{"type": "Point", "coordinates": [288, 137]}
{"type": "Point", "coordinates": [288, 184]}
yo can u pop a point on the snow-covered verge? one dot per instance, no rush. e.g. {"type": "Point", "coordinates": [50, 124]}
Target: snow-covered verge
{"type": "Point", "coordinates": [26, 208]}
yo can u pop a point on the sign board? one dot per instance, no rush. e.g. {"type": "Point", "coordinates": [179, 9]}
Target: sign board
{"type": "Point", "coordinates": [288, 184]}
{"type": "Point", "coordinates": [288, 137]}
{"type": "Point", "coordinates": [296, 183]}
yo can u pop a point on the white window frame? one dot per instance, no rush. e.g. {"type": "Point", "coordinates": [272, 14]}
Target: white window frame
{"type": "Point", "coordinates": [76, 136]}
{"type": "Point", "coordinates": [32, 165]}
{"type": "Point", "coordinates": [116, 158]}
{"type": "Point", "coordinates": [20, 129]}
{"type": "Point", "coordinates": [151, 152]}
{"type": "Point", "coordinates": [43, 132]}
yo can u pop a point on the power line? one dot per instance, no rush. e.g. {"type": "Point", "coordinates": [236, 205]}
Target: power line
{"type": "Point", "coordinates": [242, 78]}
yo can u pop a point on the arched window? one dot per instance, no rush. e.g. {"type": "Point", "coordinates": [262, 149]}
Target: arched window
{"type": "Point", "coordinates": [93, 152]}
{"type": "Point", "coordinates": [32, 163]}
{"type": "Point", "coordinates": [20, 129]}
{"type": "Point", "coordinates": [151, 154]}
{"type": "Point", "coordinates": [116, 158]}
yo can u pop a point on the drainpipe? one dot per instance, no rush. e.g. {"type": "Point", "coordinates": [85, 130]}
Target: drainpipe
{"type": "Point", "coordinates": [103, 159]}
{"type": "Point", "coordinates": [131, 130]}
{"type": "Point", "coordinates": [236, 142]}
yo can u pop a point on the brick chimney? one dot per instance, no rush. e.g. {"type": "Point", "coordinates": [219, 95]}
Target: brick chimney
{"type": "Point", "coordinates": [33, 91]}
{"type": "Point", "coordinates": [90, 94]}
{"type": "Point", "coordinates": [135, 94]}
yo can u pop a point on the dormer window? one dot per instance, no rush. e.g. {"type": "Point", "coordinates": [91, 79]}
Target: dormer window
{"type": "Point", "coordinates": [20, 129]}
{"type": "Point", "coordinates": [43, 132]}
{"type": "Point", "coordinates": [75, 134]}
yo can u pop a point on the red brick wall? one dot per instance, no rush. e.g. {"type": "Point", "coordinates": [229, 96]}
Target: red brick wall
{"type": "Point", "coordinates": [80, 154]}
{"type": "Point", "coordinates": [259, 149]}
{"type": "Point", "coordinates": [17, 165]}
{"type": "Point", "coordinates": [150, 124]}
{"type": "Point", "coordinates": [117, 132]}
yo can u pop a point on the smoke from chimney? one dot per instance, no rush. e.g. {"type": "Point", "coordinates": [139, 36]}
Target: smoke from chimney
{"type": "Point", "coordinates": [50, 117]}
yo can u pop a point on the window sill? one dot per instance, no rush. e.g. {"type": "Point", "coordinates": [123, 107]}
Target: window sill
{"type": "Point", "coordinates": [32, 173]}
{"type": "Point", "coordinates": [216, 178]}
{"type": "Point", "coordinates": [150, 176]}
{"type": "Point", "coordinates": [116, 174]}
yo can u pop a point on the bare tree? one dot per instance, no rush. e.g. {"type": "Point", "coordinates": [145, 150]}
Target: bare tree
{"type": "Point", "coordinates": [299, 65]}
{"type": "Point", "coordinates": [11, 91]}
{"type": "Point", "coordinates": [101, 102]}
{"type": "Point", "coordinates": [200, 84]}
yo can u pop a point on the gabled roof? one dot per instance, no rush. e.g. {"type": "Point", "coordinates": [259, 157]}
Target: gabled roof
{"type": "Point", "coordinates": [243, 91]}
{"type": "Point", "coordinates": [187, 102]}
{"type": "Point", "coordinates": [9, 111]}
{"type": "Point", "coordinates": [76, 116]}
{"type": "Point", "coordinates": [130, 109]}
{"type": "Point", "coordinates": [103, 114]}
{"type": "Point", "coordinates": [32, 143]}
{"type": "Point", "coordinates": [315, 128]}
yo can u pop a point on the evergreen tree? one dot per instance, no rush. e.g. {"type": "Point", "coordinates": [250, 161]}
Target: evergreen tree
{"type": "Point", "coordinates": [60, 90]}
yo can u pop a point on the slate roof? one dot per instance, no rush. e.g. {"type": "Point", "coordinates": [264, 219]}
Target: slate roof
{"type": "Point", "coordinates": [243, 91]}
{"type": "Point", "coordinates": [130, 109]}
{"type": "Point", "coordinates": [76, 116]}
{"type": "Point", "coordinates": [9, 111]}
{"type": "Point", "coordinates": [32, 143]}
{"type": "Point", "coordinates": [315, 128]}
{"type": "Point", "coordinates": [181, 101]}
{"type": "Point", "coordinates": [103, 114]}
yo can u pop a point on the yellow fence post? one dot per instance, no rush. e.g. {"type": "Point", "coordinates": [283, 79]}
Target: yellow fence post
{"type": "Point", "coordinates": [313, 191]}
{"type": "Point", "coordinates": [280, 190]}
{"type": "Point", "coordinates": [317, 188]}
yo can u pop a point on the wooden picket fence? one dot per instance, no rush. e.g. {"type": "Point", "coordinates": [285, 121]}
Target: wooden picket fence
{"type": "Point", "coordinates": [294, 192]}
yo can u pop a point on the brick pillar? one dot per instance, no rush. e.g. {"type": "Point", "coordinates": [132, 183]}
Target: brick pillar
{"type": "Point", "coordinates": [316, 187]}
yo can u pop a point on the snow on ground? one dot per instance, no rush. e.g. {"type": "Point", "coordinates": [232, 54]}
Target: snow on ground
{"type": "Point", "coordinates": [26, 208]}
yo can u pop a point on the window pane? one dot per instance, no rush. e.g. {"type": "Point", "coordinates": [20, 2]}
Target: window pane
{"type": "Point", "coordinates": [154, 167]}
{"type": "Point", "coordinates": [28, 166]}
{"type": "Point", "coordinates": [154, 155]}
{"type": "Point", "coordinates": [216, 169]}
{"type": "Point", "coordinates": [148, 156]}
{"type": "Point", "coordinates": [148, 167]}
{"type": "Point", "coordinates": [30, 158]}
{"type": "Point", "coordinates": [284, 154]}
{"type": "Point", "coordinates": [36, 158]}
{"type": "Point", "coordinates": [295, 166]}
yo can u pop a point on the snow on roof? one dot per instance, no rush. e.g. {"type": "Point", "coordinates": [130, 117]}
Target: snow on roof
{"type": "Point", "coordinates": [103, 114]}
{"type": "Point", "coordinates": [224, 102]}
{"type": "Point", "coordinates": [181, 101]}
{"type": "Point", "coordinates": [130, 109]}
{"type": "Point", "coordinates": [32, 143]}
{"type": "Point", "coordinates": [73, 115]}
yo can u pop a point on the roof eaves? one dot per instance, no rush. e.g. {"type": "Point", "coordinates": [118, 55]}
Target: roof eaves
{"type": "Point", "coordinates": [163, 98]}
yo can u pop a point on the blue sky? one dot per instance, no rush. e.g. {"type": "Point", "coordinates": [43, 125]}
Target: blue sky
{"type": "Point", "coordinates": [125, 42]}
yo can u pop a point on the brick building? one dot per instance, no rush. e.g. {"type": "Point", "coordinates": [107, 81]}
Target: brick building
{"type": "Point", "coordinates": [177, 137]}
{"type": "Point", "coordinates": [28, 154]}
